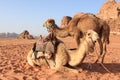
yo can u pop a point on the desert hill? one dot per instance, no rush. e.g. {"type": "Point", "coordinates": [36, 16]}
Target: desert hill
{"type": "Point", "coordinates": [110, 11]}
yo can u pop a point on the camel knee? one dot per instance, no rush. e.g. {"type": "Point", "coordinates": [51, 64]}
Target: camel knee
{"type": "Point", "coordinates": [104, 51]}
{"type": "Point", "coordinates": [100, 46]}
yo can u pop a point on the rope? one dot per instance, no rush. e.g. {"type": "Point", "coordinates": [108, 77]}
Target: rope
{"type": "Point", "coordinates": [105, 67]}
{"type": "Point", "coordinates": [102, 63]}
{"type": "Point", "coordinates": [47, 62]}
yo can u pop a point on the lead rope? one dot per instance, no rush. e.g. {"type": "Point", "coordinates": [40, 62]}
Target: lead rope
{"type": "Point", "coordinates": [102, 63]}
{"type": "Point", "coordinates": [47, 62]}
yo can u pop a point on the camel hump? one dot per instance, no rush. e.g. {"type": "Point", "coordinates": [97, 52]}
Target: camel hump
{"type": "Point", "coordinates": [73, 23]}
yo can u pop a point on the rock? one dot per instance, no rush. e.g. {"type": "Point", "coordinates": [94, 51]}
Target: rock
{"type": "Point", "coordinates": [25, 35]}
{"type": "Point", "coordinates": [110, 11]}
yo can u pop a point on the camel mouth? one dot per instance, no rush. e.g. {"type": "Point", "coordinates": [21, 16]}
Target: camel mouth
{"type": "Point", "coordinates": [44, 25]}
{"type": "Point", "coordinates": [48, 28]}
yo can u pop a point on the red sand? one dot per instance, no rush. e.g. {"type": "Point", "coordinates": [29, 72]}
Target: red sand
{"type": "Point", "coordinates": [13, 65]}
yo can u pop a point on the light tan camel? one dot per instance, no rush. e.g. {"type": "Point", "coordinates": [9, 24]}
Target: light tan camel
{"type": "Point", "coordinates": [77, 26]}
{"type": "Point", "coordinates": [64, 56]}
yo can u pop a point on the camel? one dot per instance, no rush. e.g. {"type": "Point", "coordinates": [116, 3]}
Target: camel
{"type": "Point", "coordinates": [65, 20]}
{"type": "Point", "coordinates": [64, 56]}
{"type": "Point", "coordinates": [78, 25]}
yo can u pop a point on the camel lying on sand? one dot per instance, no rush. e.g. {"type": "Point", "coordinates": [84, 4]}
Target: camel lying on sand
{"type": "Point", "coordinates": [77, 27]}
{"type": "Point", "coordinates": [64, 56]}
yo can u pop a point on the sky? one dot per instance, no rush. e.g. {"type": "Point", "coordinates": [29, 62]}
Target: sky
{"type": "Point", "coordinates": [19, 15]}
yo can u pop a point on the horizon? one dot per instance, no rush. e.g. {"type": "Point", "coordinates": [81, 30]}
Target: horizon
{"type": "Point", "coordinates": [17, 16]}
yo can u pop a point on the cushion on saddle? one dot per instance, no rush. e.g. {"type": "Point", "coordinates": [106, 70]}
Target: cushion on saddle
{"type": "Point", "coordinates": [50, 46]}
{"type": "Point", "coordinates": [42, 46]}
{"type": "Point", "coordinates": [47, 44]}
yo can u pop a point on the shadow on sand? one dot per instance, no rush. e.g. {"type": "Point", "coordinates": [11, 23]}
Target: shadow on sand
{"type": "Point", "coordinates": [96, 67]}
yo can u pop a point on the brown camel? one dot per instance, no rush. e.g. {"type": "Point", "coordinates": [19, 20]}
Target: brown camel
{"type": "Point", "coordinates": [65, 20]}
{"type": "Point", "coordinates": [64, 56]}
{"type": "Point", "coordinates": [78, 26]}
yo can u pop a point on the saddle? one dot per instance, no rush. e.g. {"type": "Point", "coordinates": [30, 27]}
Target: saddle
{"type": "Point", "coordinates": [43, 45]}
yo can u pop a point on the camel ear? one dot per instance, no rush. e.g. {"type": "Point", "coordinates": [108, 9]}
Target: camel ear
{"type": "Point", "coordinates": [52, 21]}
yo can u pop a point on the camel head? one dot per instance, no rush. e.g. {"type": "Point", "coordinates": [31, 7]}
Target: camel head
{"type": "Point", "coordinates": [49, 24]}
{"type": "Point", "coordinates": [91, 37]}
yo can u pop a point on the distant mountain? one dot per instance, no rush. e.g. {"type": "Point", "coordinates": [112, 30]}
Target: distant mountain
{"type": "Point", "coordinates": [8, 35]}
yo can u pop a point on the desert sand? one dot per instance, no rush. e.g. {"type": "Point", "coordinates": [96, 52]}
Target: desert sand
{"type": "Point", "coordinates": [13, 64]}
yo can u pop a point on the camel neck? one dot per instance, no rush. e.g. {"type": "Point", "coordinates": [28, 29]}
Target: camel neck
{"type": "Point", "coordinates": [83, 47]}
{"type": "Point", "coordinates": [60, 32]}
{"type": "Point", "coordinates": [79, 55]}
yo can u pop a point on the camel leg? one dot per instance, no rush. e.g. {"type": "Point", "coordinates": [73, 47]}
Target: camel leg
{"type": "Point", "coordinates": [104, 52]}
{"type": "Point", "coordinates": [60, 67]}
{"type": "Point", "coordinates": [101, 50]}
{"type": "Point", "coordinates": [51, 63]}
{"type": "Point", "coordinates": [77, 39]}
{"type": "Point", "coordinates": [66, 69]}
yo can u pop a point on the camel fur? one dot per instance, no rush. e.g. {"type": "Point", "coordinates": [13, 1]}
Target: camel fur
{"type": "Point", "coordinates": [64, 56]}
{"type": "Point", "coordinates": [79, 25]}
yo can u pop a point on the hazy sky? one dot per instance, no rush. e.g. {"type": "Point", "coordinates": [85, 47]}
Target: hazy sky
{"type": "Point", "coordinates": [19, 15]}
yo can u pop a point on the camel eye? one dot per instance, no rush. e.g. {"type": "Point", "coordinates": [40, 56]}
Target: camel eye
{"type": "Point", "coordinates": [88, 34]}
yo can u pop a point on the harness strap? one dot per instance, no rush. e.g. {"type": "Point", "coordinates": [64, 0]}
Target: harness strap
{"type": "Point", "coordinates": [35, 52]}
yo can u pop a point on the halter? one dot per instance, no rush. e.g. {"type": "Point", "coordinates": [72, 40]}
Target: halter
{"type": "Point", "coordinates": [90, 44]}
{"type": "Point", "coordinates": [51, 28]}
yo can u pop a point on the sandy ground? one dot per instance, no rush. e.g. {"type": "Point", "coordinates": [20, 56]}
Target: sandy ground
{"type": "Point", "coordinates": [13, 64]}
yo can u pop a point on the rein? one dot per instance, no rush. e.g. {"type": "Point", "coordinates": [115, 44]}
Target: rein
{"type": "Point", "coordinates": [93, 43]}
{"type": "Point", "coordinates": [102, 63]}
{"type": "Point", "coordinates": [51, 28]}
{"type": "Point", "coordinates": [90, 44]}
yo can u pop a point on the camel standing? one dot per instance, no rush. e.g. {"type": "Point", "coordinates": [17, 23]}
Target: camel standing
{"type": "Point", "coordinates": [78, 26]}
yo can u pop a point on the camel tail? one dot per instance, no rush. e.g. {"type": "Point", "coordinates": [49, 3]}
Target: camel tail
{"type": "Point", "coordinates": [106, 37]}
{"type": "Point", "coordinates": [106, 33]}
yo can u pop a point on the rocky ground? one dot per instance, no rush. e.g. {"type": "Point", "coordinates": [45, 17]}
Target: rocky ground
{"type": "Point", "coordinates": [13, 64]}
